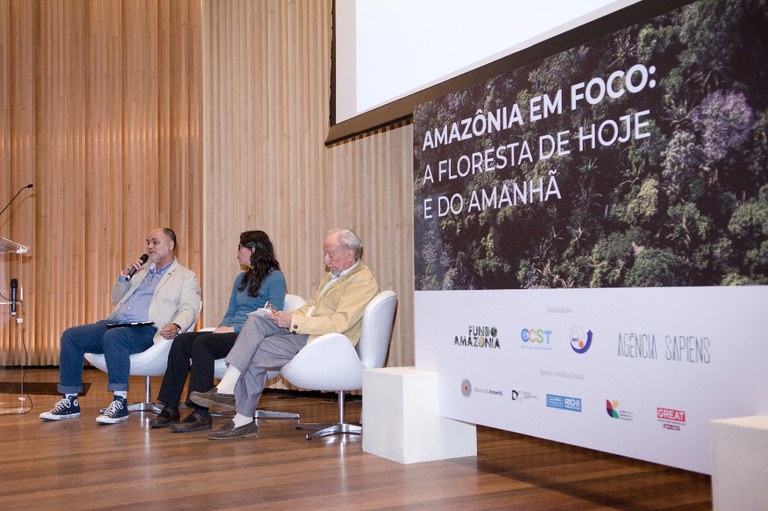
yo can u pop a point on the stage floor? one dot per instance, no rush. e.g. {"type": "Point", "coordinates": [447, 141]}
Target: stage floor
{"type": "Point", "coordinates": [78, 464]}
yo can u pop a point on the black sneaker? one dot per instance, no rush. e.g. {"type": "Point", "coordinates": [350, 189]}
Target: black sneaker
{"type": "Point", "coordinates": [117, 411]}
{"type": "Point", "coordinates": [67, 408]}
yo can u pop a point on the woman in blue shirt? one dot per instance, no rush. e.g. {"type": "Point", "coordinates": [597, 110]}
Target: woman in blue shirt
{"type": "Point", "coordinates": [262, 283]}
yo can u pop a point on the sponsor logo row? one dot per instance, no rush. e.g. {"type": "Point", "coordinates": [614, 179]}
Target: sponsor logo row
{"type": "Point", "coordinates": [628, 345]}
{"type": "Point", "coordinates": [668, 418]}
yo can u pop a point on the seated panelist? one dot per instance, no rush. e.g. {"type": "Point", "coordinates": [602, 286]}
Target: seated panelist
{"type": "Point", "coordinates": [261, 285]}
{"type": "Point", "coordinates": [153, 302]}
{"type": "Point", "coordinates": [271, 341]}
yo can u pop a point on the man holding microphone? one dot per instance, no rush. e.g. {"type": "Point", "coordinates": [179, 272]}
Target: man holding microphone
{"type": "Point", "coordinates": [153, 302]}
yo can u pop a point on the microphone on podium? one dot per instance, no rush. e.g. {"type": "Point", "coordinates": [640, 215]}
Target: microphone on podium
{"type": "Point", "coordinates": [14, 298]}
{"type": "Point", "coordinates": [14, 282]}
{"type": "Point", "coordinates": [30, 185]}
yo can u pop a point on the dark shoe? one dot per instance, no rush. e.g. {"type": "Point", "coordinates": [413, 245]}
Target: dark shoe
{"type": "Point", "coordinates": [195, 421]}
{"type": "Point", "coordinates": [67, 408]}
{"type": "Point", "coordinates": [116, 412]}
{"type": "Point", "coordinates": [229, 432]}
{"type": "Point", "coordinates": [212, 399]}
{"type": "Point", "coordinates": [165, 418]}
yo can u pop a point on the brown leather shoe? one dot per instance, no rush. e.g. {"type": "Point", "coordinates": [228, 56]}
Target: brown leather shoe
{"type": "Point", "coordinates": [165, 418]}
{"type": "Point", "coordinates": [229, 432]}
{"type": "Point", "coordinates": [212, 399]}
{"type": "Point", "coordinates": [195, 421]}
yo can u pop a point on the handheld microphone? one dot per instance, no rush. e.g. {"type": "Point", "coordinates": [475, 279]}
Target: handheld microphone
{"type": "Point", "coordinates": [14, 197]}
{"type": "Point", "coordinates": [133, 271]}
{"type": "Point", "coordinates": [14, 299]}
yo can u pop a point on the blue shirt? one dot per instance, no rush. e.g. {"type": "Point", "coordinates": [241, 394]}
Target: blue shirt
{"type": "Point", "coordinates": [272, 290]}
{"type": "Point", "coordinates": [136, 307]}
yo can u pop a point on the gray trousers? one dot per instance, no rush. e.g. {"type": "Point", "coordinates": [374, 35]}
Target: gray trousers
{"type": "Point", "coordinates": [260, 346]}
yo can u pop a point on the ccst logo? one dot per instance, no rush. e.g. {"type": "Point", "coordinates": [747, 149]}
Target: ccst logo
{"type": "Point", "coordinates": [535, 335]}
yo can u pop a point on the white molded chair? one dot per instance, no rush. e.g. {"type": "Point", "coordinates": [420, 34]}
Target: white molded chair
{"type": "Point", "coordinates": [148, 363]}
{"type": "Point", "coordinates": [292, 302]}
{"type": "Point", "coordinates": [331, 363]}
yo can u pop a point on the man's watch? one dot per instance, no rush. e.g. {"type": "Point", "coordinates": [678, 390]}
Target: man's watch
{"type": "Point", "coordinates": [178, 327]}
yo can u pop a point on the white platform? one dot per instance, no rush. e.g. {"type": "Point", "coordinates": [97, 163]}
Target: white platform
{"type": "Point", "coordinates": [740, 464]}
{"type": "Point", "coordinates": [402, 422]}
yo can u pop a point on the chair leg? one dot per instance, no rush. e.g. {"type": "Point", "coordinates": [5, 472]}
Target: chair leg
{"type": "Point", "coordinates": [263, 414]}
{"type": "Point", "coordinates": [339, 428]}
{"type": "Point", "coordinates": [269, 414]}
{"type": "Point", "coordinates": [147, 405]}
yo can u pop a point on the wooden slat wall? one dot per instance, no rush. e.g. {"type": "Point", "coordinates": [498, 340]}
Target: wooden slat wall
{"type": "Point", "coordinates": [100, 108]}
{"type": "Point", "coordinates": [206, 116]}
{"type": "Point", "coordinates": [266, 85]}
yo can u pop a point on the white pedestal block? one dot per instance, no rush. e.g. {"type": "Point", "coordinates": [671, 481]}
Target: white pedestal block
{"type": "Point", "coordinates": [740, 463]}
{"type": "Point", "coordinates": [402, 422]}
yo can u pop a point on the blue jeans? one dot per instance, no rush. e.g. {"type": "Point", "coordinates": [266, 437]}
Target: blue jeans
{"type": "Point", "coordinates": [117, 344]}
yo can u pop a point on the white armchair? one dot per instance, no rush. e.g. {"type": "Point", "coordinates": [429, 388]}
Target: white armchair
{"type": "Point", "coordinates": [331, 363]}
{"type": "Point", "coordinates": [148, 363]}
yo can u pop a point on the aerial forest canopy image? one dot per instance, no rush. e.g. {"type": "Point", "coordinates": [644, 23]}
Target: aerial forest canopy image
{"type": "Point", "coordinates": [638, 159]}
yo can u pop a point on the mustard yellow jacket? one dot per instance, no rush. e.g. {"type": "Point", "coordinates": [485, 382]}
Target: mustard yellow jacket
{"type": "Point", "coordinates": [340, 308]}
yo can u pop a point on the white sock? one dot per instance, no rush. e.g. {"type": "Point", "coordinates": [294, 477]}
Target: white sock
{"type": "Point", "coordinates": [70, 396]}
{"type": "Point", "coordinates": [229, 380]}
{"type": "Point", "coordinates": [121, 393]}
{"type": "Point", "coordinates": [241, 420]}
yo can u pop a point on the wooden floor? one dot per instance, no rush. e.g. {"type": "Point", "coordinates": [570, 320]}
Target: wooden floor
{"type": "Point", "coordinates": [78, 464]}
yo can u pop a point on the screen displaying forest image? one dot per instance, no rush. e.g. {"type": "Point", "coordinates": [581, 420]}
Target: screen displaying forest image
{"type": "Point", "coordinates": [639, 159]}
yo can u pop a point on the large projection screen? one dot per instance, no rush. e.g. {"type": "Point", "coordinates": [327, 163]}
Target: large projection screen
{"type": "Point", "coordinates": [591, 237]}
{"type": "Point", "coordinates": [387, 51]}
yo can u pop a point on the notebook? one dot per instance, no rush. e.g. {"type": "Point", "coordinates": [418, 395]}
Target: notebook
{"type": "Point", "coordinates": [134, 323]}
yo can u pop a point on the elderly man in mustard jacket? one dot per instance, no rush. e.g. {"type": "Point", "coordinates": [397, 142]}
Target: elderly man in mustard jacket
{"type": "Point", "coordinates": [153, 302]}
{"type": "Point", "coordinates": [271, 341]}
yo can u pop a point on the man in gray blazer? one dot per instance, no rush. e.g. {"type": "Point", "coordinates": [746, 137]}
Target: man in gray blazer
{"type": "Point", "coordinates": [152, 303]}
